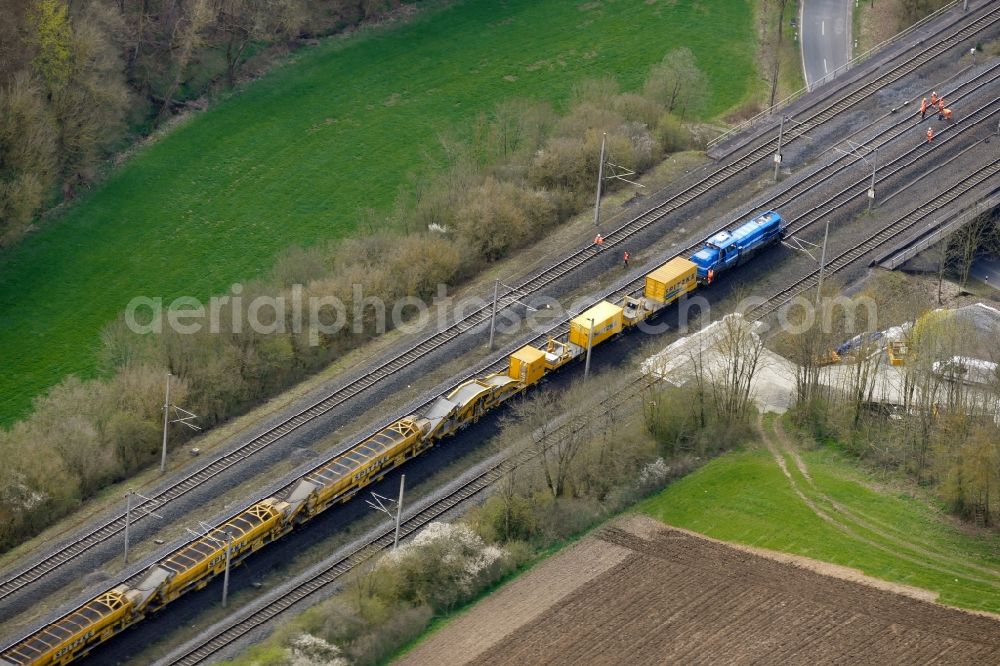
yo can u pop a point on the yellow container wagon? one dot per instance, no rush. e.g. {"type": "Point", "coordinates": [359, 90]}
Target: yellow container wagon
{"type": "Point", "coordinates": [898, 351]}
{"type": "Point", "coordinates": [607, 321]}
{"type": "Point", "coordinates": [671, 280]}
{"type": "Point", "coordinates": [527, 365]}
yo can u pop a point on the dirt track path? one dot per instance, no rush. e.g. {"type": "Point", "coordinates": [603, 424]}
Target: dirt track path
{"type": "Point", "coordinates": [872, 525]}
{"type": "Point", "coordinates": [779, 444]}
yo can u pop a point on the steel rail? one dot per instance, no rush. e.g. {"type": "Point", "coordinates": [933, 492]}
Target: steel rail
{"type": "Point", "coordinates": [217, 466]}
{"type": "Point", "coordinates": [836, 265]}
{"type": "Point", "coordinates": [883, 235]}
{"type": "Point", "coordinates": [937, 232]}
{"type": "Point", "coordinates": [822, 175]}
{"type": "Point", "coordinates": [228, 632]}
{"type": "Point", "coordinates": [787, 101]}
{"type": "Point", "coordinates": [635, 286]}
{"type": "Point", "coordinates": [917, 152]}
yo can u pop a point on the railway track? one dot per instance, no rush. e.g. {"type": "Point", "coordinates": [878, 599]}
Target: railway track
{"type": "Point", "coordinates": [264, 611]}
{"type": "Point", "coordinates": [910, 157]}
{"type": "Point", "coordinates": [811, 182]}
{"type": "Point", "coordinates": [823, 175]}
{"type": "Point", "coordinates": [841, 199]}
{"type": "Point", "coordinates": [768, 115]}
{"type": "Point", "coordinates": [879, 238]}
{"type": "Point", "coordinates": [879, 141]}
{"type": "Point", "coordinates": [267, 612]}
{"type": "Point", "coordinates": [483, 481]}
{"type": "Point", "coordinates": [228, 632]}
{"type": "Point", "coordinates": [762, 149]}
{"type": "Point", "coordinates": [337, 569]}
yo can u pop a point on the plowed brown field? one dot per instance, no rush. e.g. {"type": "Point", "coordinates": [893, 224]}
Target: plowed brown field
{"type": "Point", "coordinates": [649, 594]}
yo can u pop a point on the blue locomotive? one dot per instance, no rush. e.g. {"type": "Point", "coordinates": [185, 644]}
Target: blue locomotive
{"type": "Point", "coordinates": [731, 248]}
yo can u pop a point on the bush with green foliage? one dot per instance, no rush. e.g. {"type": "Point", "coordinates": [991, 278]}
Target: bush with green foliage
{"type": "Point", "coordinates": [613, 464]}
{"type": "Point", "coordinates": [525, 171]}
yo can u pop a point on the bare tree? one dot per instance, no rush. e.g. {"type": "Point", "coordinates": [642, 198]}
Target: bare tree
{"type": "Point", "coordinates": [523, 126]}
{"type": "Point", "coordinates": [243, 21]}
{"type": "Point", "coordinates": [186, 37]}
{"type": "Point", "coordinates": [859, 385]}
{"type": "Point", "coordinates": [969, 469]}
{"type": "Point", "coordinates": [930, 396]}
{"type": "Point", "coordinates": [771, 29]}
{"type": "Point", "coordinates": [556, 441]}
{"type": "Point", "coordinates": [968, 242]}
{"type": "Point", "coordinates": [29, 145]}
{"type": "Point", "coordinates": [808, 342]}
{"type": "Point", "coordinates": [740, 350]}
{"type": "Point", "coordinates": [699, 405]}
{"type": "Point", "coordinates": [507, 491]}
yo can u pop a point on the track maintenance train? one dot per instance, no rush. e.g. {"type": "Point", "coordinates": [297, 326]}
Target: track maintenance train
{"type": "Point", "coordinates": [193, 565]}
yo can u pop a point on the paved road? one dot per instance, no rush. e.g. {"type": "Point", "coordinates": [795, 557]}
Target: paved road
{"type": "Point", "coordinates": [826, 38]}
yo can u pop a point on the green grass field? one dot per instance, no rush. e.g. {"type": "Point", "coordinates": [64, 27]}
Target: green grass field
{"type": "Point", "coordinates": [744, 497]}
{"type": "Point", "coordinates": [295, 156]}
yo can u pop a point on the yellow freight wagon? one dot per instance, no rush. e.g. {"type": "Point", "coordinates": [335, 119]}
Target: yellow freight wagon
{"type": "Point", "coordinates": [344, 475]}
{"type": "Point", "coordinates": [76, 633]}
{"type": "Point", "coordinates": [674, 278]}
{"type": "Point", "coordinates": [196, 563]}
{"type": "Point", "coordinates": [898, 351]}
{"type": "Point", "coordinates": [607, 318]}
{"type": "Point", "coordinates": [527, 365]}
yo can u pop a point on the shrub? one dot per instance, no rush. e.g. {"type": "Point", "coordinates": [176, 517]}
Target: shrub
{"type": "Point", "coordinates": [671, 134]}
{"type": "Point", "coordinates": [497, 217]}
{"type": "Point", "coordinates": [561, 518]}
{"type": "Point", "coordinates": [600, 92]}
{"type": "Point", "coordinates": [297, 265]}
{"type": "Point", "coordinates": [309, 650]}
{"type": "Point", "coordinates": [588, 117]}
{"type": "Point", "coordinates": [28, 143]}
{"type": "Point", "coordinates": [645, 150]}
{"type": "Point", "coordinates": [612, 459]}
{"type": "Point", "coordinates": [445, 564]}
{"type": "Point", "coordinates": [677, 84]}
{"type": "Point", "coordinates": [524, 171]}
{"type": "Point", "coordinates": [564, 163]}
{"type": "Point", "coordinates": [421, 262]}
{"type": "Point", "coordinates": [505, 518]}
{"type": "Point", "coordinates": [637, 109]}
{"type": "Point", "coordinates": [744, 111]}
{"type": "Point", "coordinates": [400, 626]}
{"type": "Point", "coordinates": [81, 436]}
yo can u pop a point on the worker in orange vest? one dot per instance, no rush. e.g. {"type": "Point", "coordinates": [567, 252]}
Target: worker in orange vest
{"type": "Point", "coordinates": [923, 108]}
{"type": "Point", "coordinates": [947, 114]}
{"type": "Point", "coordinates": [930, 135]}
{"type": "Point", "coordinates": [934, 98]}
{"type": "Point", "coordinates": [599, 241]}
{"type": "Point", "coordinates": [711, 275]}
{"type": "Point", "coordinates": [626, 258]}
{"type": "Point", "coordinates": [941, 109]}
